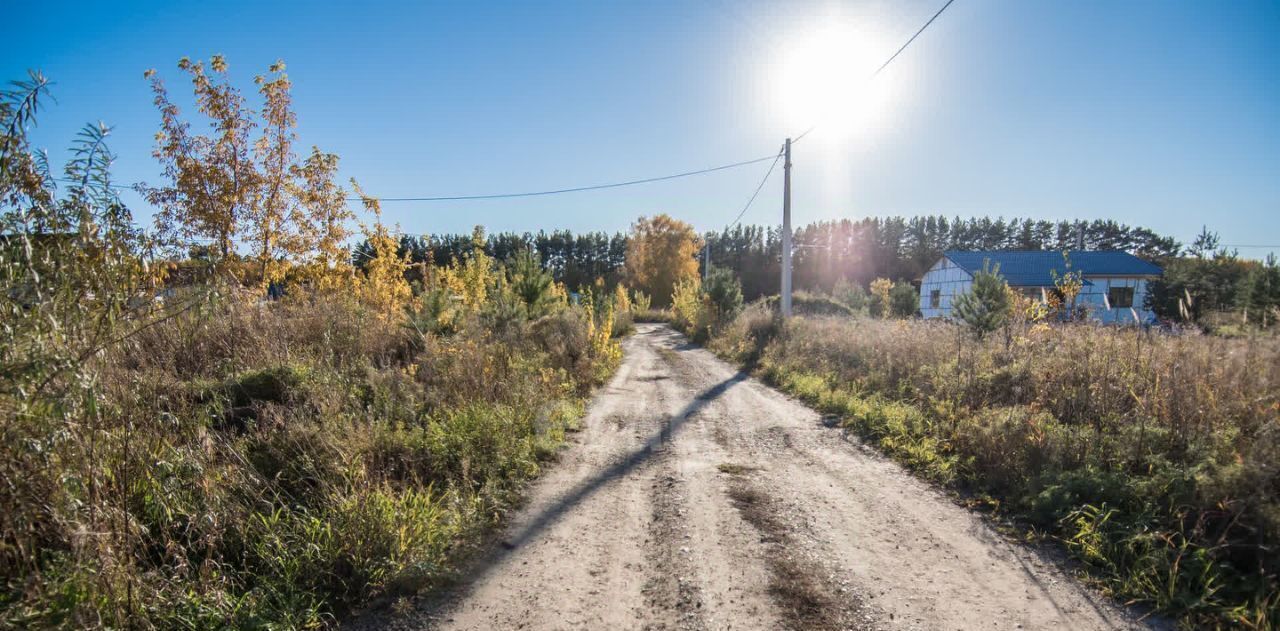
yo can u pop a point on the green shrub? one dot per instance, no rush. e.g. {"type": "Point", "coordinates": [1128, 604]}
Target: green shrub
{"type": "Point", "coordinates": [532, 284]}
{"type": "Point", "coordinates": [986, 306]}
{"type": "Point", "coordinates": [904, 300]}
{"type": "Point", "coordinates": [851, 295]}
{"type": "Point", "coordinates": [724, 293]}
{"type": "Point", "coordinates": [267, 385]}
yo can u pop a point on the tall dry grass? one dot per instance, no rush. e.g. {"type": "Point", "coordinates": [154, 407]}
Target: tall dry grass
{"type": "Point", "coordinates": [1154, 458]}
{"type": "Point", "coordinates": [273, 465]}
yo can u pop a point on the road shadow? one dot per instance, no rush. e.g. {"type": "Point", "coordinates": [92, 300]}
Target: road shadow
{"type": "Point", "coordinates": [485, 563]}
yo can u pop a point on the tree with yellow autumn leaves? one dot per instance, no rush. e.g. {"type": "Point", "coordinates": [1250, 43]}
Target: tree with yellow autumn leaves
{"type": "Point", "coordinates": [328, 220]}
{"type": "Point", "coordinates": [230, 186]}
{"type": "Point", "coordinates": [661, 253]}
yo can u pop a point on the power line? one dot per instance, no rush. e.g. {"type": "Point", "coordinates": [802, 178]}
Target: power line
{"type": "Point", "coordinates": [530, 193]}
{"type": "Point", "coordinates": [756, 193]}
{"type": "Point", "coordinates": [706, 253]}
{"type": "Point", "coordinates": [572, 190]}
{"type": "Point", "coordinates": [889, 60]}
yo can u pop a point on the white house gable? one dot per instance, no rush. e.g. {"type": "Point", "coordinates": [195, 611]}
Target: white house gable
{"type": "Point", "coordinates": [939, 287]}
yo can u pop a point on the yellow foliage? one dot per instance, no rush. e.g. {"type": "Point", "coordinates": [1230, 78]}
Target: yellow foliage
{"type": "Point", "coordinates": [560, 294]}
{"type": "Point", "coordinates": [212, 180]}
{"type": "Point", "coordinates": [383, 287]}
{"type": "Point", "coordinates": [327, 222]}
{"type": "Point", "coordinates": [1025, 308]}
{"type": "Point", "coordinates": [880, 288]}
{"type": "Point", "coordinates": [660, 254]}
{"type": "Point", "coordinates": [1067, 287]}
{"type": "Point", "coordinates": [472, 278]}
{"type": "Point", "coordinates": [621, 299]}
{"type": "Point", "coordinates": [274, 220]}
{"type": "Point", "coordinates": [230, 186]}
{"type": "Point", "coordinates": [600, 330]}
{"type": "Point", "coordinates": [686, 303]}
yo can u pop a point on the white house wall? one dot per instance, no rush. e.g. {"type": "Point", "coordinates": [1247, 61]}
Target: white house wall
{"type": "Point", "coordinates": [1094, 298]}
{"type": "Point", "coordinates": [950, 280]}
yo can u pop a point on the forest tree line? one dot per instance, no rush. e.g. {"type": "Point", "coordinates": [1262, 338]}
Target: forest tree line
{"type": "Point", "coordinates": [897, 248]}
{"type": "Point", "coordinates": [858, 251]}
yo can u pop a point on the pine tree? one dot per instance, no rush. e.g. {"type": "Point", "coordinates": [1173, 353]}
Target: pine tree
{"type": "Point", "coordinates": [532, 284]}
{"type": "Point", "coordinates": [986, 306]}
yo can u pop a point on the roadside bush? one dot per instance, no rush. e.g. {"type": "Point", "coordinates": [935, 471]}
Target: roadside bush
{"type": "Point", "coordinates": [699, 309]}
{"type": "Point", "coordinates": [563, 336]}
{"type": "Point", "coordinates": [746, 337]}
{"type": "Point", "coordinates": [904, 300]}
{"type": "Point", "coordinates": [690, 312]}
{"type": "Point", "coordinates": [724, 293]}
{"type": "Point", "coordinates": [851, 295]}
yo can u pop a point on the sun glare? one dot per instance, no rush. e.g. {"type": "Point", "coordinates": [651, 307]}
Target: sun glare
{"type": "Point", "coordinates": [823, 79]}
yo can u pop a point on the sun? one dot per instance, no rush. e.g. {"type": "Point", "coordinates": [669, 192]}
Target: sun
{"type": "Point", "coordinates": [823, 78]}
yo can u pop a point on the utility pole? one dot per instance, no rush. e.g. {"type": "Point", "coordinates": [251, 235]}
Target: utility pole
{"type": "Point", "coordinates": [786, 230]}
{"type": "Point", "coordinates": [706, 259]}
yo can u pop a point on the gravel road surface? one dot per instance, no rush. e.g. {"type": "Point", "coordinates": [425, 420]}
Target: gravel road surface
{"type": "Point", "coordinates": [696, 497]}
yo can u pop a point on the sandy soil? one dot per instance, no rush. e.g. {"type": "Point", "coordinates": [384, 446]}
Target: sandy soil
{"type": "Point", "coordinates": [697, 498]}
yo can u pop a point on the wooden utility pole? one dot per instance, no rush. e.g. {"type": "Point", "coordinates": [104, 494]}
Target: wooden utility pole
{"type": "Point", "coordinates": [706, 259]}
{"type": "Point", "coordinates": [786, 230]}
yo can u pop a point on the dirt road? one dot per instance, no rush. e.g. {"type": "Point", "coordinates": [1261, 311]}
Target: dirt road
{"type": "Point", "coordinates": [697, 498]}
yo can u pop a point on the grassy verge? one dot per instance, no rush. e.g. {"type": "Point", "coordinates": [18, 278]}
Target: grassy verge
{"type": "Point", "coordinates": [654, 315]}
{"type": "Point", "coordinates": [1150, 458]}
{"type": "Point", "coordinates": [274, 466]}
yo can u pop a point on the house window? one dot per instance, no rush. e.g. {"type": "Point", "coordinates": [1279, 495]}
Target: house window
{"type": "Point", "coordinates": [1120, 297]}
{"type": "Point", "coordinates": [935, 299]}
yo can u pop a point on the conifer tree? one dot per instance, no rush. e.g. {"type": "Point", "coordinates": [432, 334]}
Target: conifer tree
{"type": "Point", "coordinates": [986, 306]}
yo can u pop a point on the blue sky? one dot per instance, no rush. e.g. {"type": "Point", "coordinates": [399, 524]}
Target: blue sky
{"type": "Point", "coordinates": [1164, 114]}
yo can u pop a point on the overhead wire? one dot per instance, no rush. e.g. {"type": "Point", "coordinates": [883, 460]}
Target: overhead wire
{"type": "Point", "coordinates": [889, 60]}
{"type": "Point", "coordinates": [756, 193]}
{"type": "Point", "coordinates": [576, 189]}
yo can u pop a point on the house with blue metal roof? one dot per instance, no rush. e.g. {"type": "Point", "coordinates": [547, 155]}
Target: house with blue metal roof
{"type": "Point", "coordinates": [1115, 283]}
